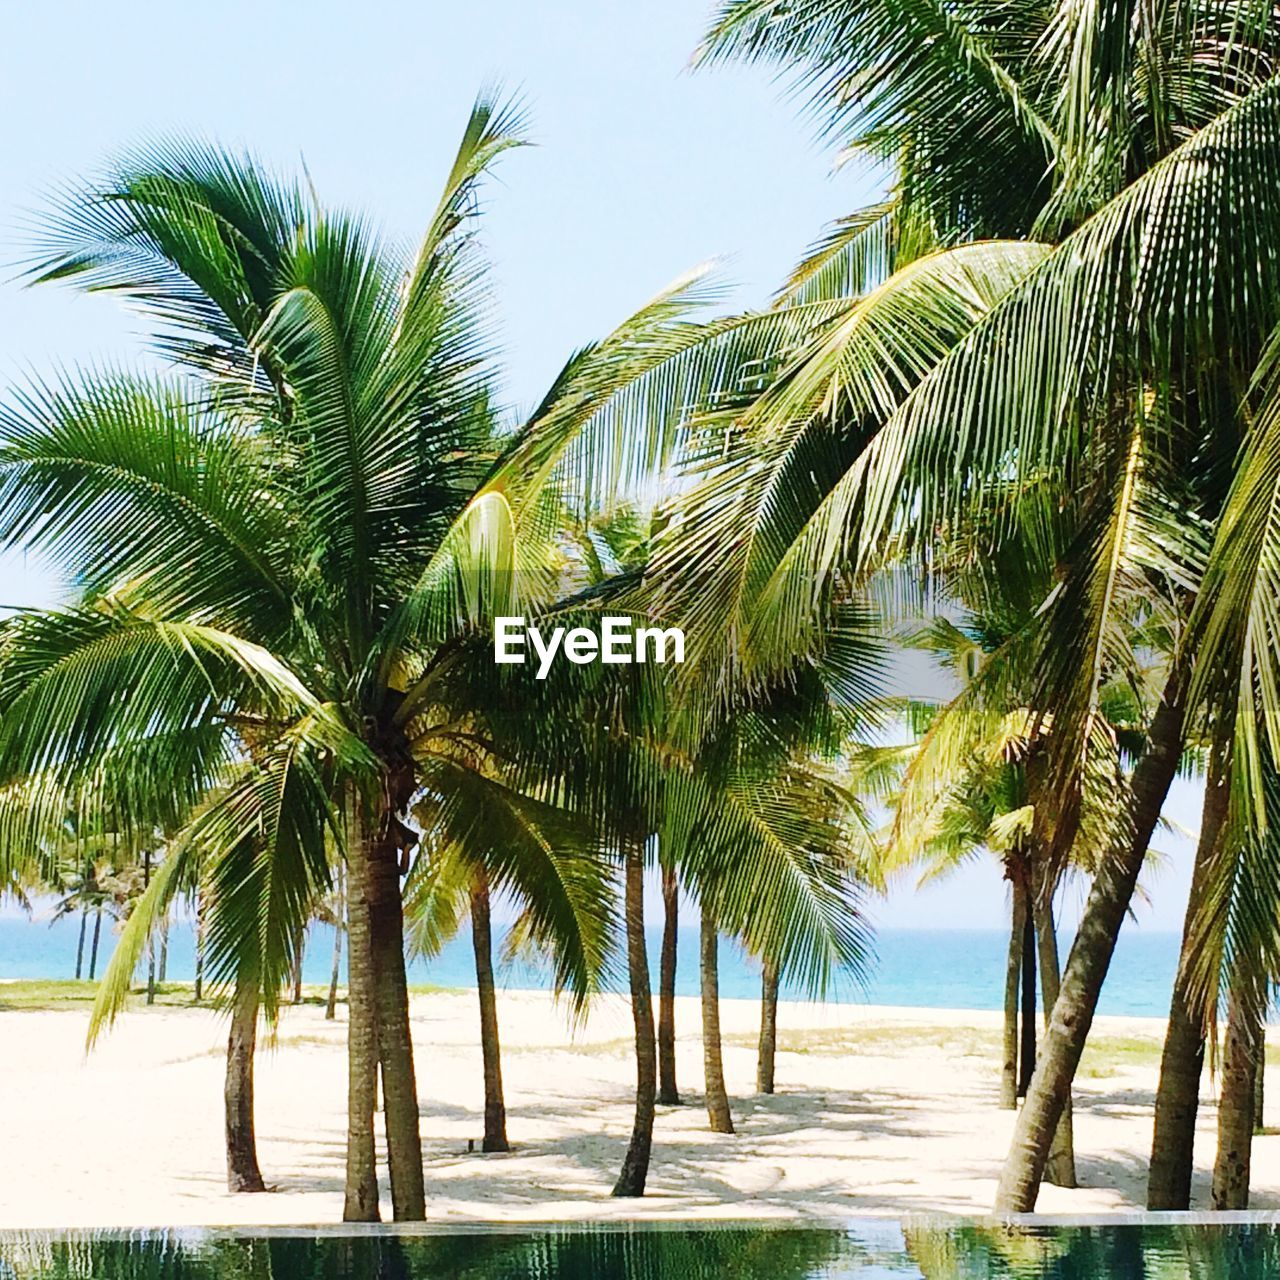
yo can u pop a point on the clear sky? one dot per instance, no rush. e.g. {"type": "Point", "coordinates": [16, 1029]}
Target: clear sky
{"type": "Point", "coordinates": [642, 170]}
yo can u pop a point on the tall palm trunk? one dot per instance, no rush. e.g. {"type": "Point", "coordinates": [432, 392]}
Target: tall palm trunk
{"type": "Point", "coordinates": [1012, 972]}
{"type": "Point", "coordinates": [768, 1028]}
{"type": "Point", "coordinates": [635, 1164]}
{"type": "Point", "coordinates": [1027, 1036]}
{"type": "Point", "coordinates": [198, 993]}
{"type": "Point", "coordinates": [300, 949]}
{"type": "Point", "coordinates": [495, 1109]}
{"type": "Point", "coordinates": [1259, 1088]}
{"type": "Point", "coordinates": [331, 1005]}
{"type": "Point", "coordinates": [361, 1192]}
{"type": "Point", "coordinates": [1091, 955]}
{"type": "Point", "coordinates": [1182, 1059]}
{"type": "Point", "coordinates": [1060, 1169]}
{"type": "Point", "coordinates": [84, 924]}
{"type": "Point", "coordinates": [394, 1040]}
{"type": "Point", "coordinates": [1235, 1105]}
{"type": "Point", "coordinates": [163, 968]}
{"type": "Point", "coordinates": [151, 943]}
{"type": "Point", "coordinates": [668, 1093]}
{"type": "Point", "coordinates": [243, 1173]}
{"type": "Point", "coordinates": [93, 951]}
{"type": "Point", "coordinates": [712, 1057]}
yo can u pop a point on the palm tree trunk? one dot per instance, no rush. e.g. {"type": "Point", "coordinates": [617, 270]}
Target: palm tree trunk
{"type": "Point", "coordinates": [712, 1056]}
{"type": "Point", "coordinates": [198, 993]}
{"type": "Point", "coordinates": [1259, 1087]}
{"type": "Point", "coordinates": [1235, 1106]}
{"type": "Point", "coordinates": [1091, 955]}
{"type": "Point", "coordinates": [668, 1093]}
{"type": "Point", "coordinates": [635, 1164]}
{"type": "Point", "coordinates": [768, 1028]}
{"type": "Point", "coordinates": [151, 943]}
{"type": "Point", "coordinates": [395, 1043]}
{"type": "Point", "coordinates": [1027, 1040]}
{"type": "Point", "coordinates": [1182, 1059]}
{"type": "Point", "coordinates": [93, 952]}
{"type": "Point", "coordinates": [331, 1005]}
{"type": "Point", "coordinates": [361, 1192]}
{"type": "Point", "coordinates": [1060, 1169]}
{"type": "Point", "coordinates": [495, 1109]}
{"type": "Point", "coordinates": [1012, 971]}
{"type": "Point", "coordinates": [163, 972]}
{"type": "Point", "coordinates": [243, 1173]}
{"type": "Point", "coordinates": [299, 953]}
{"type": "Point", "coordinates": [84, 924]}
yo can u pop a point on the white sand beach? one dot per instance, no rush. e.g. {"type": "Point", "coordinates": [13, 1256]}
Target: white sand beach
{"type": "Point", "coordinates": [879, 1111]}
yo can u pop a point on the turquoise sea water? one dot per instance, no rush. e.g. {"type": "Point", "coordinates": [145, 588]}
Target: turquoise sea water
{"type": "Point", "coordinates": [951, 969]}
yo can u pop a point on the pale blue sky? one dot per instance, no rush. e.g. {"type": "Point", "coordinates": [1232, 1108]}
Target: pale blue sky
{"type": "Point", "coordinates": [643, 170]}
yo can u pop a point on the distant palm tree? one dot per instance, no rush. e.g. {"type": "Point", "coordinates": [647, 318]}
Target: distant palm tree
{"type": "Point", "coordinates": [767, 1049]}
{"type": "Point", "coordinates": [547, 863]}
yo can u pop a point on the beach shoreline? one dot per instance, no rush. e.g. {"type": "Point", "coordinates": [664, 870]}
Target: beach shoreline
{"type": "Point", "coordinates": [880, 1110]}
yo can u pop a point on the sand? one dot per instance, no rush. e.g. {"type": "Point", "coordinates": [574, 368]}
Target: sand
{"type": "Point", "coordinates": [878, 1111]}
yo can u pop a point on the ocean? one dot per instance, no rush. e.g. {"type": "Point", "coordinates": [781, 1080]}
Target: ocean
{"type": "Point", "coordinates": [946, 969]}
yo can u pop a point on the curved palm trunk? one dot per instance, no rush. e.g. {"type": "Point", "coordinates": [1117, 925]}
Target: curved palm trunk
{"type": "Point", "coordinates": [243, 1173]}
{"type": "Point", "coordinates": [495, 1109]}
{"type": "Point", "coordinates": [1235, 1106]}
{"type": "Point", "coordinates": [331, 1005]}
{"type": "Point", "coordinates": [1012, 970]}
{"type": "Point", "coordinates": [712, 1057]}
{"type": "Point", "coordinates": [668, 1093]}
{"type": "Point", "coordinates": [84, 924]}
{"type": "Point", "coordinates": [1090, 957]}
{"type": "Point", "coordinates": [768, 1028]}
{"type": "Point", "coordinates": [1027, 1036]}
{"type": "Point", "coordinates": [1182, 1059]}
{"type": "Point", "coordinates": [1060, 1168]}
{"type": "Point", "coordinates": [635, 1164]}
{"type": "Point", "coordinates": [394, 1040]}
{"type": "Point", "coordinates": [93, 952]}
{"type": "Point", "coordinates": [360, 1203]}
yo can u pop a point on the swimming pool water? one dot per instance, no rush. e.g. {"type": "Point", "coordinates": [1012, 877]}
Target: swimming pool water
{"type": "Point", "coordinates": [870, 1250]}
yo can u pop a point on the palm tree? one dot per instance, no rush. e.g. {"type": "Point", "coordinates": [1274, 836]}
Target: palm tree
{"type": "Point", "coordinates": [82, 892]}
{"type": "Point", "coordinates": [767, 1049]}
{"type": "Point", "coordinates": [718, 1114]}
{"type": "Point", "coordinates": [1241, 1061]}
{"type": "Point", "coordinates": [749, 826]}
{"type": "Point", "coordinates": [338, 918]}
{"type": "Point", "coordinates": [241, 1141]}
{"type": "Point", "coordinates": [772, 810]}
{"type": "Point", "coordinates": [635, 1162]}
{"type": "Point", "coordinates": [1114, 360]}
{"type": "Point", "coordinates": [1230, 937]}
{"type": "Point", "coordinates": [668, 1091]}
{"type": "Point", "coordinates": [287, 550]}
{"type": "Point", "coordinates": [1182, 1057]}
{"type": "Point", "coordinates": [728, 800]}
{"type": "Point", "coordinates": [479, 837]}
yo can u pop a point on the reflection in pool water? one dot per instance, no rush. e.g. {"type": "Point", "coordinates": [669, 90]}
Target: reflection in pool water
{"type": "Point", "coordinates": [868, 1251]}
